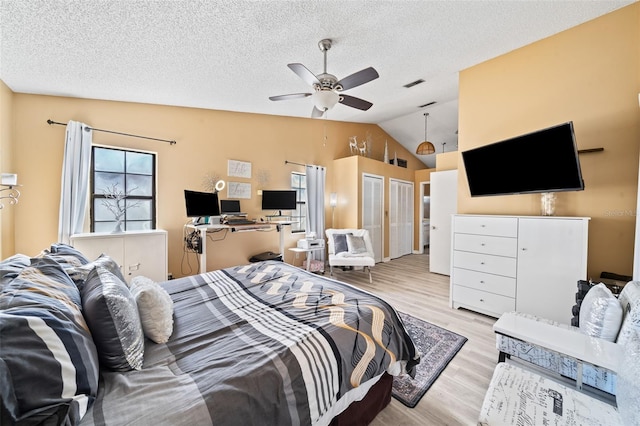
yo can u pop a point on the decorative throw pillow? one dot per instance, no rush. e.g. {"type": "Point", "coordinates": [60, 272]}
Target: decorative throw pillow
{"type": "Point", "coordinates": [112, 317]}
{"type": "Point", "coordinates": [630, 301]}
{"type": "Point", "coordinates": [155, 308]}
{"type": "Point", "coordinates": [79, 274]}
{"type": "Point", "coordinates": [600, 313]}
{"type": "Point", "coordinates": [356, 244]}
{"type": "Point", "coordinates": [340, 243]}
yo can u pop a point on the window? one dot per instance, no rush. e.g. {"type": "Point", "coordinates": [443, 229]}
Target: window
{"type": "Point", "coordinates": [299, 217]}
{"type": "Point", "coordinates": [123, 190]}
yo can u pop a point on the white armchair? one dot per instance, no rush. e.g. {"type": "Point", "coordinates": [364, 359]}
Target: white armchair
{"type": "Point", "coordinates": [350, 247]}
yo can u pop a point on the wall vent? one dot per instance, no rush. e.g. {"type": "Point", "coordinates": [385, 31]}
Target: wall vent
{"type": "Point", "coordinates": [427, 104]}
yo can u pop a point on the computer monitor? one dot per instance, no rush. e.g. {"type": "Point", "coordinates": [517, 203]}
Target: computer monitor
{"type": "Point", "coordinates": [230, 206]}
{"type": "Point", "coordinates": [201, 204]}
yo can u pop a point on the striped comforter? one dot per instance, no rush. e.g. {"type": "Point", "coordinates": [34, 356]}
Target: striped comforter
{"type": "Point", "coordinates": [265, 343]}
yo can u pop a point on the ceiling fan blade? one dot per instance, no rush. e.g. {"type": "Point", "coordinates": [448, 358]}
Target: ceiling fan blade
{"type": "Point", "coordinates": [354, 102]}
{"type": "Point", "coordinates": [304, 74]}
{"type": "Point", "coordinates": [316, 113]}
{"type": "Point", "coordinates": [358, 78]}
{"type": "Point", "coordinates": [290, 96]}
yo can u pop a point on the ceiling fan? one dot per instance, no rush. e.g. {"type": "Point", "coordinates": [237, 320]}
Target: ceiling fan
{"type": "Point", "coordinates": [327, 88]}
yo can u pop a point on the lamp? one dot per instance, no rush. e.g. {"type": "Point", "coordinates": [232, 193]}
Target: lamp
{"type": "Point", "coordinates": [426, 147]}
{"type": "Point", "coordinates": [333, 199]}
{"type": "Point", "coordinates": [333, 202]}
{"type": "Point", "coordinates": [325, 99]}
{"type": "Point", "coordinates": [220, 185]}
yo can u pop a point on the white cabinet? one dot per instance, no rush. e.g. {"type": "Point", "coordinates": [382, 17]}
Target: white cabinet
{"type": "Point", "coordinates": [524, 263]}
{"type": "Point", "coordinates": [137, 252]}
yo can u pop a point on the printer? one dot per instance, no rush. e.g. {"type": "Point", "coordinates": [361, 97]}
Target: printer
{"type": "Point", "coordinates": [309, 244]}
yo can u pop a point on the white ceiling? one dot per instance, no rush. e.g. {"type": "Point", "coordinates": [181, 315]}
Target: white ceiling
{"type": "Point", "coordinates": [232, 55]}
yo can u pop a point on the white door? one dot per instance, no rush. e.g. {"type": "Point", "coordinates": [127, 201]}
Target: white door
{"type": "Point", "coordinates": [372, 208]}
{"type": "Point", "coordinates": [444, 204]}
{"type": "Point", "coordinates": [400, 218]}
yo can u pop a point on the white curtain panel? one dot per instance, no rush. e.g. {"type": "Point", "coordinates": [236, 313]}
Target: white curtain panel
{"type": "Point", "coordinates": [75, 180]}
{"type": "Point", "coordinates": [316, 176]}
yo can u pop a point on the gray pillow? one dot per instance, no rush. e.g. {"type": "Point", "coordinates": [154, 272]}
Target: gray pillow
{"type": "Point", "coordinates": [340, 243]}
{"type": "Point", "coordinates": [79, 273]}
{"type": "Point", "coordinates": [112, 317]}
{"type": "Point", "coordinates": [356, 244]}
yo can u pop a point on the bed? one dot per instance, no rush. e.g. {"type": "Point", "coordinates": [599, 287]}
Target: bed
{"type": "Point", "coordinates": [263, 343]}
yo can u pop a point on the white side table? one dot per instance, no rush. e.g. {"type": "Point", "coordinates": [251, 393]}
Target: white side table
{"type": "Point", "coordinates": [307, 251]}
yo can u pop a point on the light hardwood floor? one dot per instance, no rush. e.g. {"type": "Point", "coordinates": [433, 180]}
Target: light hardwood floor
{"type": "Point", "coordinates": [456, 396]}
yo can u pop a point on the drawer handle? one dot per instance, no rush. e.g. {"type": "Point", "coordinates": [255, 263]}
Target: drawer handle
{"type": "Point", "coordinates": [482, 300]}
{"type": "Point", "coordinates": [523, 249]}
{"type": "Point", "coordinates": [482, 226]}
{"type": "Point", "coordinates": [481, 282]}
{"type": "Point", "coordinates": [482, 244]}
{"type": "Point", "coordinates": [482, 263]}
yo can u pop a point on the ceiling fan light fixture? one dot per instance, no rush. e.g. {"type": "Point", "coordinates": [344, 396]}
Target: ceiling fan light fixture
{"type": "Point", "coordinates": [426, 147]}
{"type": "Point", "coordinates": [325, 99]}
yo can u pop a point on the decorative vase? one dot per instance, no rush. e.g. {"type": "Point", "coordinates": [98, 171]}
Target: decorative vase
{"type": "Point", "coordinates": [117, 228]}
{"type": "Point", "coordinates": [386, 153]}
{"type": "Point", "coordinates": [548, 203]}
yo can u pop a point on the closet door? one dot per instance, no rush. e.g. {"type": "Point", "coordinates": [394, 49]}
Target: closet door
{"type": "Point", "coordinates": [444, 204]}
{"type": "Point", "coordinates": [372, 207]}
{"type": "Point", "coordinates": [394, 226]}
{"type": "Point", "coordinates": [400, 218]}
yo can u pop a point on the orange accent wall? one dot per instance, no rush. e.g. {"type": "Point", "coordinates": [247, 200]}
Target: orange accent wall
{"type": "Point", "coordinates": [206, 140]}
{"type": "Point", "coordinates": [589, 74]}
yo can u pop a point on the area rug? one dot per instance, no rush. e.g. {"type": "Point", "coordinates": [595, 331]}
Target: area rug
{"type": "Point", "coordinates": [437, 347]}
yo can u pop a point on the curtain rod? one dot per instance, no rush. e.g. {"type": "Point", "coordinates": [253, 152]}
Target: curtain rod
{"type": "Point", "coordinates": [171, 142]}
{"type": "Point", "coordinates": [297, 164]}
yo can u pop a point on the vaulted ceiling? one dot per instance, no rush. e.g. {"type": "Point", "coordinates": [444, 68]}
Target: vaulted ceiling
{"type": "Point", "coordinates": [232, 55]}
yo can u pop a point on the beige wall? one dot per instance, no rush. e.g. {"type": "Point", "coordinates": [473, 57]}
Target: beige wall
{"type": "Point", "coordinates": [589, 74]}
{"type": "Point", "coordinates": [206, 140]}
{"type": "Point", "coordinates": [7, 236]}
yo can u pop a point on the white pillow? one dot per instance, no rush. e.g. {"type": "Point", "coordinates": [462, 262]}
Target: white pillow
{"type": "Point", "coordinates": [155, 308]}
{"type": "Point", "coordinates": [600, 313]}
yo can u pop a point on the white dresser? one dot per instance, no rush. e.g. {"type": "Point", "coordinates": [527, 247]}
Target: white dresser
{"type": "Point", "coordinates": [525, 263]}
{"type": "Point", "coordinates": [137, 252]}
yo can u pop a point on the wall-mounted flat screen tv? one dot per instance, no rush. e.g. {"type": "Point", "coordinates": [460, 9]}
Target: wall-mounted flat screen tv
{"type": "Point", "coordinates": [278, 200]}
{"type": "Point", "coordinates": [201, 204]}
{"type": "Point", "coordinates": [542, 161]}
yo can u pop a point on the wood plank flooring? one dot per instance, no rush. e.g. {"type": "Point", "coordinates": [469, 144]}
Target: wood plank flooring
{"type": "Point", "coordinates": [456, 396]}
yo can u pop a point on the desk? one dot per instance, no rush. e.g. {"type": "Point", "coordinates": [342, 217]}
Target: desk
{"type": "Point", "coordinates": [258, 226]}
{"type": "Point", "coordinates": [308, 252]}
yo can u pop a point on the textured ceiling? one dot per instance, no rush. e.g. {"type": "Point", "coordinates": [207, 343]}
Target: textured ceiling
{"type": "Point", "coordinates": [233, 55]}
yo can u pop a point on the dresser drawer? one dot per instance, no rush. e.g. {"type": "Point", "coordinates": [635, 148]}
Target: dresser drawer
{"type": "Point", "coordinates": [482, 301]}
{"type": "Point", "coordinates": [487, 244]}
{"type": "Point", "coordinates": [498, 284]}
{"type": "Point", "coordinates": [483, 225]}
{"type": "Point", "coordinates": [498, 265]}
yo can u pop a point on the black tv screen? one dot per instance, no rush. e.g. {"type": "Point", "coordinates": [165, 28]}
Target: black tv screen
{"type": "Point", "coordinates": [542, 161]}
{"type": "Point", "coordinates": [201, 203]}
{"type": "Point", "coordinates": [278, 200]}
